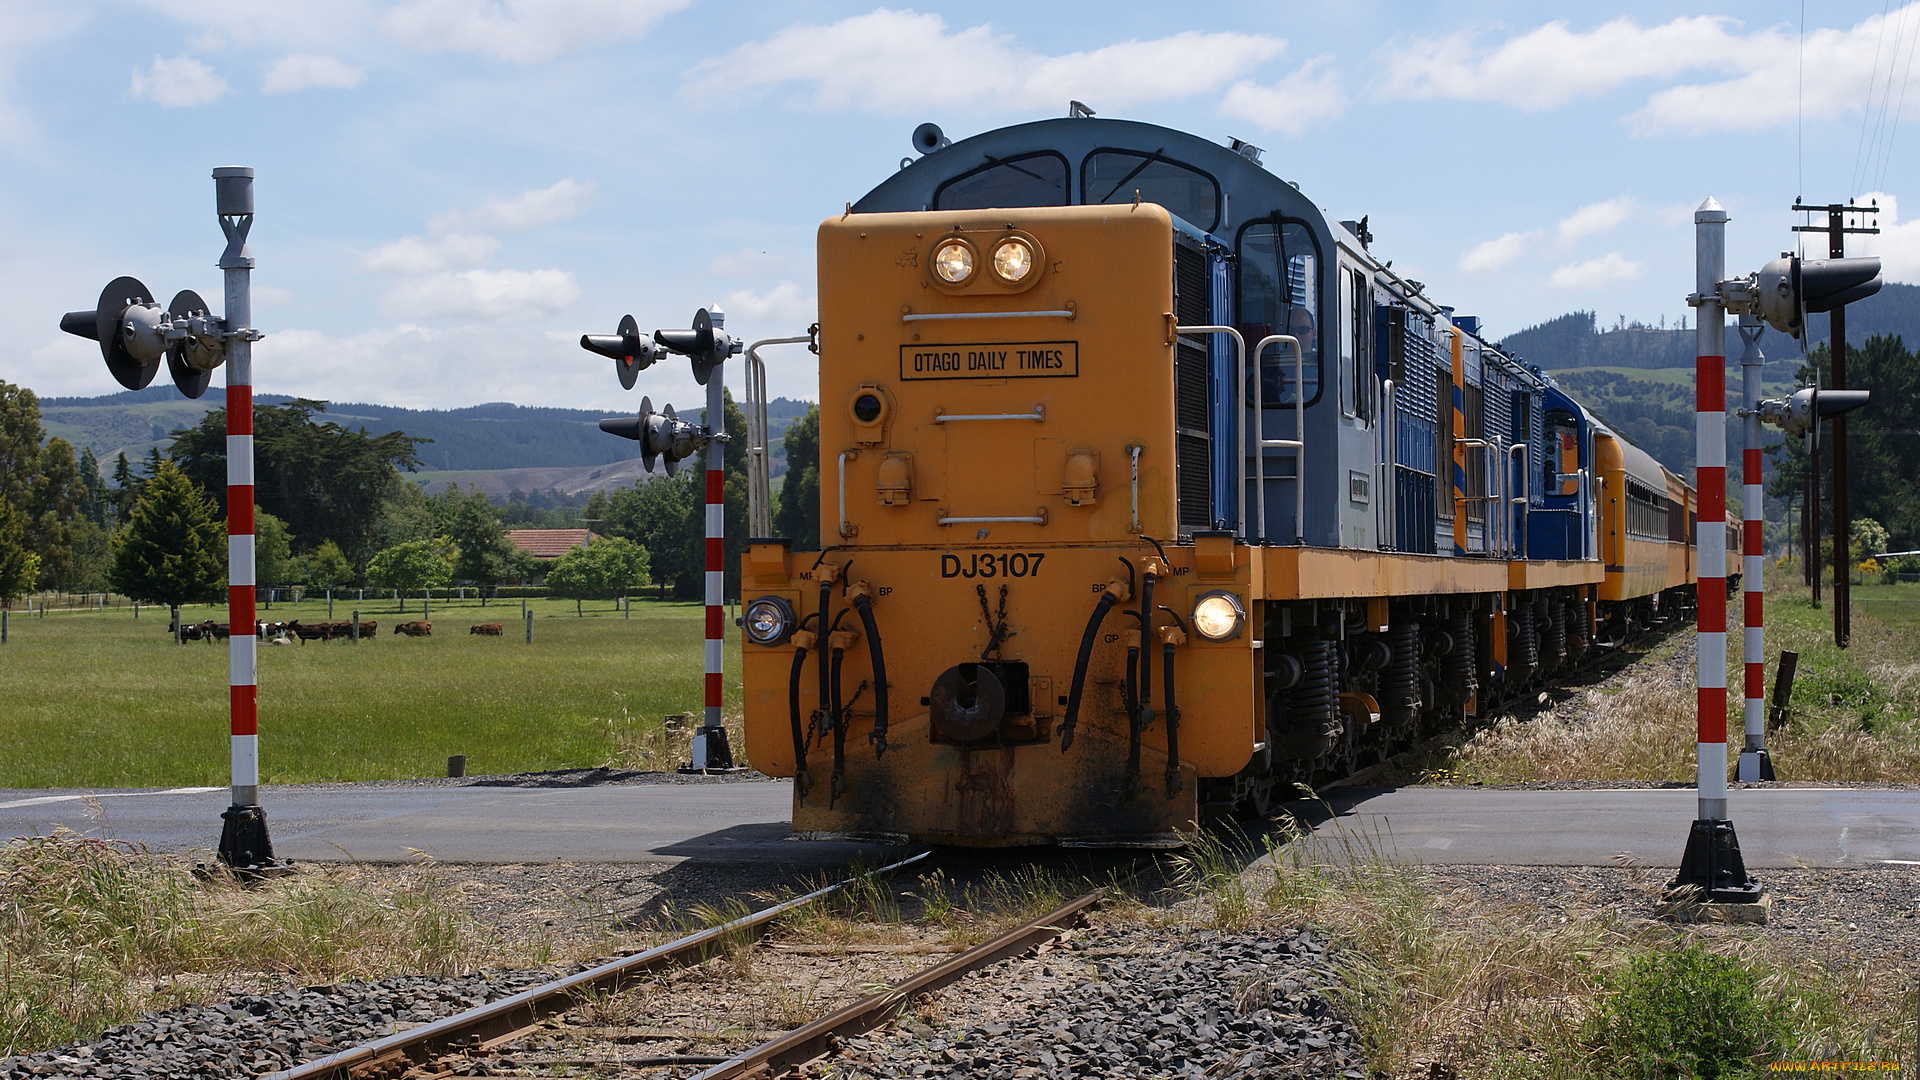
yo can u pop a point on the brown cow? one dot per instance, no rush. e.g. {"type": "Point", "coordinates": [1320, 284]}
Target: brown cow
{"type": "Point", "coordinates": [487, 629]}
{"type": "Point", "coordinates": [316, 632]}
{"type": "Point", "coordinates": [416, 628]}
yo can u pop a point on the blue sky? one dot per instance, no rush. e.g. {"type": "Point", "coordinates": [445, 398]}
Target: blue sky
{"type": "Point", "coordinates": [451, 191]}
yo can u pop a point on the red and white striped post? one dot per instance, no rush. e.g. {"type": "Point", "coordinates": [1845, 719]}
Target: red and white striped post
{"type": "Point", "coordinates": [1755, 763]}
{"type": "Point", "coordinates": [1712, 862]}
{"type": "Point", "coordinates": [710, 750]}
{"type": "Point", "coordinates": [244, 843]}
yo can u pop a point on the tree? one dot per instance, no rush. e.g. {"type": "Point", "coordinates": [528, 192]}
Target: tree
{"type": "Point", "coordinates": [652, 514]}
{"type": "Point", "coordinates": [468, 519]}
{"type": "Point", "coordinates": [19, 443]}
{"type": "Point", "coordinates": [796, 513]}
{"type": "Point", "coordinates": [609, 566]}
{"type": "Point", "coordinates": [416, 564]}
{"type": "Point", "coordinates": [325, 481]}
{"type": "Point", "coordinates": [329, 568]}
{"type": "Point", "coordinates": [56, 498]}
{"type": "Point", "coordinates": [126, 488]}
{"type": "Point", "coordinates": [19, 568]}
{"type": "Point", "coordinates": [173, 549]}
{"type": "Point", "coordinates": [98, 504]}
{"type": "Point", "coordinates": [272, 552]}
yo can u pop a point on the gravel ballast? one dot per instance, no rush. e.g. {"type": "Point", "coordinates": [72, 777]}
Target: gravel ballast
{"type": "Point", "coordinates": [250, 1035]}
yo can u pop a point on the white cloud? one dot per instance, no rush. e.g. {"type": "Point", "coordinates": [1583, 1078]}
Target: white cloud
{"type": "Point", "coordinates": [1612, 268]}
{"type": "Point", "coordinates": [303, 70]}
{"type": "Point", "coordinates": [1498, 253]}
{"type": "Point", "coordinates": [522, 31]}
{"type": "Point", "coordinates": [1898, 244]}
{"type": "Point", "coordinates": [1312, 93]}
{"type": "Point", "coordinates": [494, 295]}
{"type": "Point", "coordinates": [1837, 65]}
{"type": "Point", "coordinates": [1596, 218]}
{"type": "Point", "coordinates": [899, 61]}
{"type": "Point", "coordinates": [414, 255]}
{"type": "Point", "coordinates": [1553, 65]}
{"type": "Point", "coordinates": [528, 210]}
{"type": "Point", "coordinates": [783, 306]}
{"type": "Point", "coordinates": [179, 82]}
{"type": "Point", "coordinates": [230, 24]}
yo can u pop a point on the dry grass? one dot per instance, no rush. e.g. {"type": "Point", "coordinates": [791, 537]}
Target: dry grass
{"type": "Point", "coordinates": [1451, 986]}
{"type": "Point", "coordinates": [1855, 712]}
{"type": "Point", "coordinates": [93, 932]}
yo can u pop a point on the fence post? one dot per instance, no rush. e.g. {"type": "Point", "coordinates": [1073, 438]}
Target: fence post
{"type": "Point", "coordinates": [528, 619]}
{"type": "Point", "coordinates": [329, 605]}
{"type": "Point", "coordinates": [3, 626]}
{"type": "Point", "coordinates": [356, 623]}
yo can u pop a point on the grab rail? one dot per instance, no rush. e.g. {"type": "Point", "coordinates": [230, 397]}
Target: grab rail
{"type": "Point", "coordinates": [1262, 444]}
{"type": "Point", "coordinates": [1064, 313]}
{"type": "Point", "coordinates": [759, 482]}
{"type": "Point", "coordinates": [1039, 413]}
{"type": "Point", "coordinates": [1037, 519]}
{"type": "Point", "coordinates": [1526, 508]}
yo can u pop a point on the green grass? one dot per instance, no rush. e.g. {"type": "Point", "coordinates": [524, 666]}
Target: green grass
{"type": "Point", "coordinates": [95, 699]}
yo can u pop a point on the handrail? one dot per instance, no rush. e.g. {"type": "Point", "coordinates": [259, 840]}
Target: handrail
{"type": "Point", "coordinates": [1389, 509]}
{"type": "Point", "coordinates": [1298, 444]}
{"type": "Point", "coordinates": [1037, 519]}
{"type": "Point", "coordinates": [845, 532]}
{"type": "Point", "coordinates": [1039, 413]}
{"type": "Point", "coordinates": [1064, 313]}
{"type": "Point", "coordinates": [1240, 353]}
{"type": "Point", "coordinates": [1517, 546]}
{"type": "Point", "coordinates": [759, 479]}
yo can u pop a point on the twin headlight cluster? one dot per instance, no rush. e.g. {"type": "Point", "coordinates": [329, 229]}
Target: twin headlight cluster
{"type": "Point", "coordinates": [1217, 616]}
{"type": "Point", "coordinates": [1011, 262]}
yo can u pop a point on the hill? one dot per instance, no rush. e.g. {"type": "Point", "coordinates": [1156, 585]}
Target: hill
{"type": "Point", "coordinates": [474, 442]}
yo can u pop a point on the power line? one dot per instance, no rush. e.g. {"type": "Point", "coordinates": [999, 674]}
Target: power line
{"type": "Point", "coordinates": [1913, 48]}
{"type": "Point", "coordinates": [1866, 111]}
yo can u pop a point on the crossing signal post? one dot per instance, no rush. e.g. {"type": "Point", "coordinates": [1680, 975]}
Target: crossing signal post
{"type": "Point", "coordinates": [1782, 293]}
{"type": "Point", "coordinates": [135, 333]}
{"type": "Point", "coordinates": [664, 436]}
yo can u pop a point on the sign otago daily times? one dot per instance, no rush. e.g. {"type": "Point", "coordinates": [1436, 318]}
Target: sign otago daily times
{"type": "Point", "coordinates": [991, 360]}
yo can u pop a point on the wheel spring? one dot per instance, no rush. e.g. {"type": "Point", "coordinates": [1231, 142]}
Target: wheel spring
{"type": "Point", "coordinates": [1457, 676]}
{"type": "Point", "coordinates": [1526, 641]}
{"type": "Point", "coordinates": [1553, 644]}
{"type": "Point", "coordinates": [1310, 706]}
{"type": "Point", "coordinates": [1400, 683]}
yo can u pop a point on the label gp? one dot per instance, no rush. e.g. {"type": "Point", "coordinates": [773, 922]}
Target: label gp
{"type": "Point", "coordinates": [988, 564]}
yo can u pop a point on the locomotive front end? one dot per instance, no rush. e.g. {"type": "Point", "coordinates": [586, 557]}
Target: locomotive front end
{"type": "Point", "coordinates": [1004, 640]}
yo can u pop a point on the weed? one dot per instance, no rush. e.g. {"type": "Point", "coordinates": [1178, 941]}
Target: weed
{"type": "Point", "coordinates": [1686, 1012]}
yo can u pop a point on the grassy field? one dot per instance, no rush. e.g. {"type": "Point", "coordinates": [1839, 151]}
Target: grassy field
{"type": "Point", "coordinates": [102, 699]}
{"type": "Point", "coordinates": [1854, 715]}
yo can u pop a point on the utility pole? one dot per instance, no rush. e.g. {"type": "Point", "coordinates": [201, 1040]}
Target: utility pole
{"type": "Point", "coordinates": [1837, 228]}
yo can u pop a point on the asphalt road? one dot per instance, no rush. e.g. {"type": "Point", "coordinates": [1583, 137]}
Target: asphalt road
{"type": "Point", "coordinates": [1777, 827]}
{"type": "Point", "coordinates": [748, 822]}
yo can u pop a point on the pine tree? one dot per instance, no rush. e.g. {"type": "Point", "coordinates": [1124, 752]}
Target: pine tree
{"type": "Point", "coordinates": [126, 489]}
{"type": "Point", "coordinates": [173, 548]}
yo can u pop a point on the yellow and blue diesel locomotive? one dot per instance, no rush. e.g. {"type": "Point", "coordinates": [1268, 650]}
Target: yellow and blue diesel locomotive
{"type": "Point", "coordinates": [1148, 490]}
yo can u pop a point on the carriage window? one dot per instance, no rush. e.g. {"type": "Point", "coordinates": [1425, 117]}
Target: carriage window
{"type": "Point", "coordinates": [1032, 180]}
{"type": "Point", "coordinates": [1112, 176]}
{"type": "Point", "coordinates": [1279, 293]}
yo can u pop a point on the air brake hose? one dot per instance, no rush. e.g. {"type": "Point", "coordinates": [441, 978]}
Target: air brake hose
{"type": "Point", "coordinates": [878, 658]}
{"type": "Point", "coordinates": [1133, 711]}
{"type": "Point", "coordinates": [801, 781]}
{"type": "Point", "coordinates": [1171, 639]}
{"type": "Point", "coordinates": [826, 627]}
{"type": "Point", "coordinates": [1145, 701]}
{"type": "Point", "coordinates": [839, 729]}
{"type": "Point", "coordinates": [1114, 593]}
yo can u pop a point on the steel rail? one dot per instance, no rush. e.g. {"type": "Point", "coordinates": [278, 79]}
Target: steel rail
{"type": "Point", "coordinates": [494, 1019]}
{"type": "Point", "coordinates": [804, 1044]}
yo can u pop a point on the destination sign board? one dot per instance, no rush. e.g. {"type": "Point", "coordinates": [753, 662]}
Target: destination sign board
{"type": "Point", "coordinates": [991, 360]}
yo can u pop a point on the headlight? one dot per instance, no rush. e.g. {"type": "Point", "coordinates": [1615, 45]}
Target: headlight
{"type": "Point", "coordinates": [1218, 615]}
{"type": "Point", "coordinates": [953, 262]}
{"type": "Point", "coordinates": [1013, 260]}
{"type": "Point", "coordinates": [768, 621]}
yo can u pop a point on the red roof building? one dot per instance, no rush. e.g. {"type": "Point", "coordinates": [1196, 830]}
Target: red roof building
{"type": "Point", "coordinates": [549, 543]}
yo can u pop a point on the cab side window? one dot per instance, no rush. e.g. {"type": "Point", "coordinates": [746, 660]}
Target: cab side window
{"type": "Point", "coordinates": [1279, 293]}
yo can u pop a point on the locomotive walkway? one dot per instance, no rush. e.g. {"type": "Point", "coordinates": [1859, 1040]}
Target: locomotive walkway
{"type": "Point", "coordinates": [747, 821]}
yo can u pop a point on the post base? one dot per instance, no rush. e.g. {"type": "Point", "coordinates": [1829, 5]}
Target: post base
{"type": "Point", "coordinates": [245, 846]}
{"type": "Point", "coordinates": [1755, 765]}
{"type": "Point", "coordinates": [710, 752]}
{"type": "Point", "coordinates": [1712, 871]}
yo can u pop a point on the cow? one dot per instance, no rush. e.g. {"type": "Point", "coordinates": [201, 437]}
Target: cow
{"type": "Point", "coordinates": [316, 632]}
{"type": "Point", "coordinates": [366, 628]}
{"type": "Point", "coordinates": [487, 629]}
{"type": "Point", "coordinates": [416, 628]}
{"type": "Point", "coordinates": [267, 631]}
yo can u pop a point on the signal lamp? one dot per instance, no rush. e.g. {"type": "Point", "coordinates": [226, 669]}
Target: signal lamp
{"type": "Point", "coordinates": [769, 620]}
{"type": "Point", "coordinates": [1013, 260]}
{"type": "Point", "coordinates": [953, 262]}
{"type": "Point", "coordinates": [1218, 616]}
{"type": "Point", "coordinates": [1787, 288]}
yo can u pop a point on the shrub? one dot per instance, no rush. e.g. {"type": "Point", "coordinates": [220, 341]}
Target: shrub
{"type": "Point", "coordinates": [1686, 1013]}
